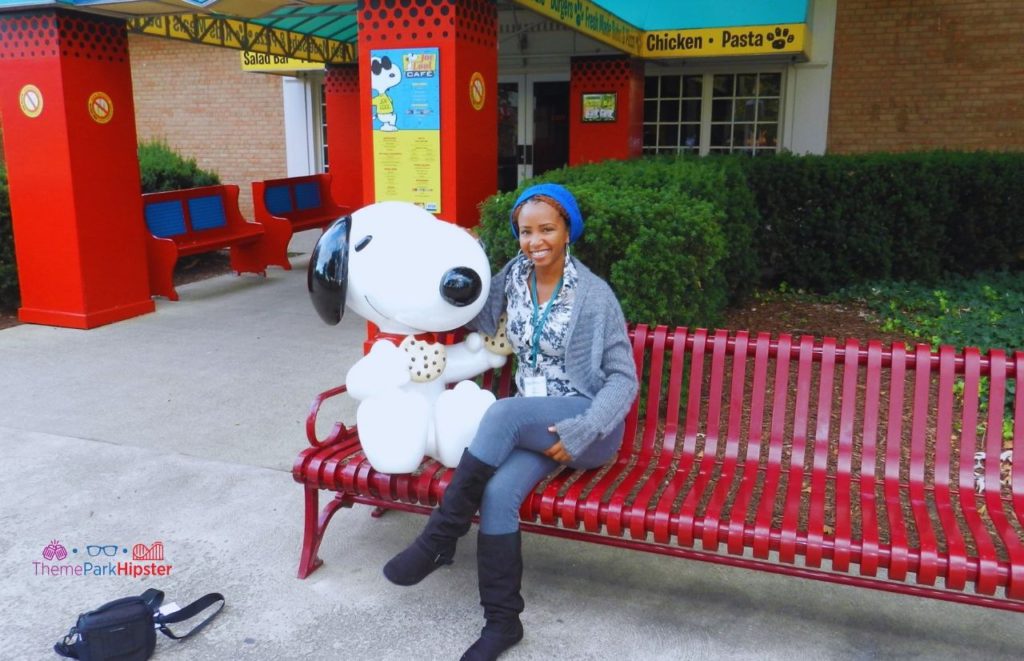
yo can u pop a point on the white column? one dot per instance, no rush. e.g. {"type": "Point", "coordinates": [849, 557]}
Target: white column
{"type": "Point", "coordinates": [809, 86]}
{"type": "Point", "coordinates": [300, 129]}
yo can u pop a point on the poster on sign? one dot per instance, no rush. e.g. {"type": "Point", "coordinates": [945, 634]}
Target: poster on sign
{"type": "Point", "coordinates": [406, 116]}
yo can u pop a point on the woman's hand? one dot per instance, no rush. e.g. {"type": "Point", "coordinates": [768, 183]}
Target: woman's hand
{"type": "Point", "coordinates": [558, 451]}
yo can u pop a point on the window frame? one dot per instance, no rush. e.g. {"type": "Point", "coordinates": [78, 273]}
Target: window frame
{"type": "Point", "coordinates": [705, 122]}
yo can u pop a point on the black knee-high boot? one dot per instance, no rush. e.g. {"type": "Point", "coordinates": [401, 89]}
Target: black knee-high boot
{"type": "Point", "coordinates": [500, 567]}
{"type": "Point", "coordinates": [435, 546]}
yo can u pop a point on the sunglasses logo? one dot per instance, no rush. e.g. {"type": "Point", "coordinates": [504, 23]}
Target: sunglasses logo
{"type": "Point", "coordinates": [94, 550]}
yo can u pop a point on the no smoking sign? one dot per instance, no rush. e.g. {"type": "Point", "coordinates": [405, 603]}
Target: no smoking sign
{"type": "Point", "coordinates": [101, 108]}
{"type": "Point", "coordinates": [31, 101]}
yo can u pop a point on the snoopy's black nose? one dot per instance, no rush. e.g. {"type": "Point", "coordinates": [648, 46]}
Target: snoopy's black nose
{"type": "Point", "coordinates": [461, 286]}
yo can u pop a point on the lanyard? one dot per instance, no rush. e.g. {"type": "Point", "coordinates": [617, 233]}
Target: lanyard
{"type": "Point", "coordinates": [538, 323]}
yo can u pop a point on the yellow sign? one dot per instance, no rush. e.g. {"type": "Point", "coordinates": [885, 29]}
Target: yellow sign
{"type": "Point", "coordinates": [586, 17]}
{"type": "Point", "coordinates": [477, 90]}
{"type": "Point", "coordinates": [405, 166]}
{"type": "Point", "coordinates": [722, 42]}
{"type": "Point", "coordinates": [31, 101]}
{"type": "Point", "coordinates": [101, 108]}
{"type": "Point", "coordinates": [266, 62]}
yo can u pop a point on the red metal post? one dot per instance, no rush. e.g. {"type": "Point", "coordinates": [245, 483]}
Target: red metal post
{"type": "Point", "coordinates": [70, 147]}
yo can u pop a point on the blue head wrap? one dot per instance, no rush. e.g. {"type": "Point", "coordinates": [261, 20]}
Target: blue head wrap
{"type": "Point", "coordinates": [558, 193]}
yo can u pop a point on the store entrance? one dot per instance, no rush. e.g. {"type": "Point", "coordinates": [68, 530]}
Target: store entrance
{"type": "Point", "coordinates": [533, 126]}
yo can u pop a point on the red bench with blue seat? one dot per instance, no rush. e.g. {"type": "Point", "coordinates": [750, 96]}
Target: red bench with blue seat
{"type": "Point", "coordinates": [199, 220]}
{"type": "Point", "coordinates": [293, 204]}
{"type": "Point", "coordinates": [868, 465]}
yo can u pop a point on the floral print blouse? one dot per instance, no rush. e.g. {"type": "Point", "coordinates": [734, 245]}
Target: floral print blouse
{"type": "Point", "coordinates": [551, 355]}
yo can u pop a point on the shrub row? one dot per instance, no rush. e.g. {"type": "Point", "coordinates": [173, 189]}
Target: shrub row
{"type": "Point", "coordinates": [834, 221]}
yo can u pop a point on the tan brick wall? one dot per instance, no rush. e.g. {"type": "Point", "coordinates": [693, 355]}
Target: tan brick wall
{"type": "Point", "coordinates": [910, 75]}
{"type": "Point", "coordinates": [198, 100]}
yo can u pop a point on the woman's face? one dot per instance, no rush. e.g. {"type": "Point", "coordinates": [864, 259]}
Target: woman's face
{"type": "Point", "coordinates": [543, 233]}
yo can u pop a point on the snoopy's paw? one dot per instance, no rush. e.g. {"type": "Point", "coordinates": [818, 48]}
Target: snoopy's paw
{"type": "Point", "coordinates": [474, 341]}
{"type": "Point", "coordinates": [426, 360]}
{"type": "Point", "coordinates": [498, 343]}
{"type": "Point", "coordinates": [457, 415]}
{"type": "Point", "coordinates": [393, 430]}
{"type": "Point", "coordinates": [384, 368]}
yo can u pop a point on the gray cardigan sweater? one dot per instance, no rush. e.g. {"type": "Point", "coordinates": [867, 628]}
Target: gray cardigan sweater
{"type": "Point", "coordinates": [598, 356]}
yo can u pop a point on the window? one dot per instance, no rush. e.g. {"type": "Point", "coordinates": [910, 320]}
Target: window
{"type": "Point", "coordinates": [712, 113]}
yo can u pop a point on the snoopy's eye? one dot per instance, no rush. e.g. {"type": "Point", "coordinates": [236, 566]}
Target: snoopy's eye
{"type": "Point", "coordinates": [363, 242]}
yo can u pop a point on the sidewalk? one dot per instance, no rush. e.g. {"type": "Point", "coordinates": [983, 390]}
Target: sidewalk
{"type": "Point", "coordinates": [181, 427]}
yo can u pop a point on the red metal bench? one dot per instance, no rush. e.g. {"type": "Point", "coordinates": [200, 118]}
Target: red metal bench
{"type": "Point", "coordinates": [192, 221]}
{"type": "Point", "coordinates": [293, 204]}
{"type": "Point", "coordinates": [799, 457]}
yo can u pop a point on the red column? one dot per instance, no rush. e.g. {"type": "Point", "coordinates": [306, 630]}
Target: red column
{"type": "Point", "coordinates": [341, 95]}
{"type": "Point", "coordinates": [590, 142]}
{"type": "Point", "coordinates": [70, 147]}
{"type": "Point", "coordinates": [465, 32]}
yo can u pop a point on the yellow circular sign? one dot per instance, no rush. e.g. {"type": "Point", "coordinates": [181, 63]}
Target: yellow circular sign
{"type": "Point", "coordinates": [31, 101]}
{"type": "Point", "coordinates": [477, 90]}
{"type": "Point", "coordinates": [101, 108]}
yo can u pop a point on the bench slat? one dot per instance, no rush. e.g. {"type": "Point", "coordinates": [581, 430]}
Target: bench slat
{"type": "Point", "coordinates": [927, 542]}
{"type": "Point", "coordinates": [755, 439]}
{"type": "Point", "coordinates": [819, 466]}
{"type": "Point", "coordinates": [956, 550]}
{"type": "Point", "coordinates": [775, 446]}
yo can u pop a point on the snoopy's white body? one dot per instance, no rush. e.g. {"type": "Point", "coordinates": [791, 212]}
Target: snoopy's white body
{"type": "Point", "coordinates": [398, 255]}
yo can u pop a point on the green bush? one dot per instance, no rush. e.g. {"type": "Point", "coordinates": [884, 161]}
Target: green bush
{"type": "Point", "coordinates": [833, 221]}
{"type": "Point", "coordinates": [9, 298]}
{"type": "Point", "coordinates": [164, 169]}
{"type": "Point", "coordinates": [984, 311]}
{"type": "Point", "coordinates": [660, 249]}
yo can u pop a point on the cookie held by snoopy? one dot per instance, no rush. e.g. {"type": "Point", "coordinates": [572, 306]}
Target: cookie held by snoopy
{"type": "Point", "coordinates": [412, 275]}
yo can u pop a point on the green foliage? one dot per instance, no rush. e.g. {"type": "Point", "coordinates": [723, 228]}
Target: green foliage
{"type": "Point", "coordinates": [164, 169]}
{"type": "Point", "coordinates": [834, 221]}
{"type": "Point", "coordinates": [657, 230]}
{"type": "Point", "coordinates": [984, 311]}
{"type": "Point", "coordinates": [8, 272]}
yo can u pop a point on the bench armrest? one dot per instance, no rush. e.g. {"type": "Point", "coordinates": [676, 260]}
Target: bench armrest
{"type": "Point", "coordinates": [314, 409]}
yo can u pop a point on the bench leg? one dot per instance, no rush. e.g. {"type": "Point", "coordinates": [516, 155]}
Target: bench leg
{"type": "Point", "coordinates": [249, 258]}
{"type": "Point", "coordinates": [277, 235]}
{"type": "Point", "coordinates": [163, 255]}
{"type": "Point", "coordinates": [315, 526]}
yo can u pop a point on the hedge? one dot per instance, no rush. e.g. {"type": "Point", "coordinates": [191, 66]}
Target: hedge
{"type": "Point", "coordinates": [833, 221]}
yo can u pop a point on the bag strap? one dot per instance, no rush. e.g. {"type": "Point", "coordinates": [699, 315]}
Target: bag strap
{"type": "Point", "coordinates": [188, 612]}
{"type": "Point", "coordinates": [68, 645]}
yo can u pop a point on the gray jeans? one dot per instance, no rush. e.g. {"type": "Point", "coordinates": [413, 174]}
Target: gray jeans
{"type": "Point", "coordinates": [513, 436]}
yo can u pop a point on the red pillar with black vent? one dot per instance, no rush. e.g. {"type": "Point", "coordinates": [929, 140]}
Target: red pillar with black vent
{"type": "Point", "coordinates": [465, 32]}
{"type": "Point", "coordinates": [603, 139]}
{"type": "Point", "coordinates": [70, 147]}
{"type": "Point", "coordinates": [341, 96]}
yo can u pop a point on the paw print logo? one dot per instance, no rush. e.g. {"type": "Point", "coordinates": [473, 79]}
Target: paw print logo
{"type": "Point", "coordinates": [779, 37]}
{"type": "Point", "coordinates": [55, 550]}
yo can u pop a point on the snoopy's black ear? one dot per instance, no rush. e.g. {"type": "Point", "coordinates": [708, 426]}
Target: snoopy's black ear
{"type": "Point", "coordinates": [327, 277]}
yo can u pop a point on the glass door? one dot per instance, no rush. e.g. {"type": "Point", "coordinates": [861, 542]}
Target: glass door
{"type": "Point", "coordinates": [533, 126]}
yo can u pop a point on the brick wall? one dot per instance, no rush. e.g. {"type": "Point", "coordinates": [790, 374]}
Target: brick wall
{"type": "Point", "coordinates": [198, 100]}
{"type": "Point", "coordinates": [910, 75]}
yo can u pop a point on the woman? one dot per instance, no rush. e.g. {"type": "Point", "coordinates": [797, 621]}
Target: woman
{"type": "Point", "coordinates": [576, 380]}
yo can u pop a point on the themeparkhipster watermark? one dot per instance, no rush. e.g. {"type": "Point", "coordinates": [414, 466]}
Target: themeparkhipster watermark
{"type": "Point", "coordinates": [104, 559]}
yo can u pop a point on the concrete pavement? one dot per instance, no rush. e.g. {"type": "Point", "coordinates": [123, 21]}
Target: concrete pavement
{"type": "Point", "coordinates": [181, 427]}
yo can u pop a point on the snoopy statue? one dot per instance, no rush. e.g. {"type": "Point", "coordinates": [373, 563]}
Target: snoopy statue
{"type": "Point", "coordinates": [412, 275]}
